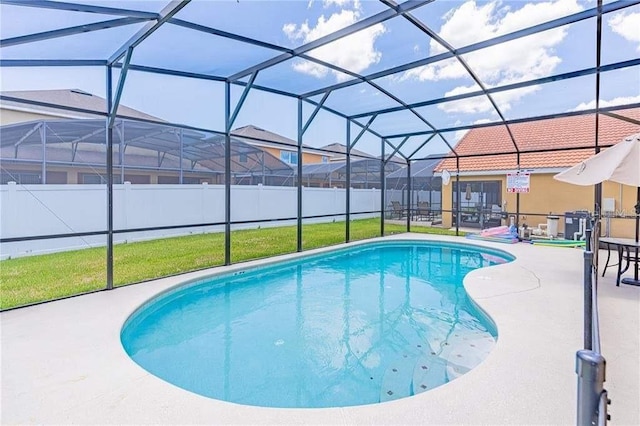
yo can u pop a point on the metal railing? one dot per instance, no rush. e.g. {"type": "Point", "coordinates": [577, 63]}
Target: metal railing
{"type": "Point", "coordinates": [590, 364]}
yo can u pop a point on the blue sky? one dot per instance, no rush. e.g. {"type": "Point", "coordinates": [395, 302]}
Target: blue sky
{"type": "Point", "coordinates": [389, 44]}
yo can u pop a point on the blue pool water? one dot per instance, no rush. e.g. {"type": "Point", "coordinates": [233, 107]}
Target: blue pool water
{"type": "Point", "coordinates": [358, 326]}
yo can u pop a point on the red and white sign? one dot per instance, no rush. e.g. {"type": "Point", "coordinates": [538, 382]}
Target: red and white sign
{"type": "Point", "coordinates": [518, 182]}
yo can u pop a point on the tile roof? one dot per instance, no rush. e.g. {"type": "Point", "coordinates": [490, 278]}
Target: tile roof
{"type": "Point", "coordinates": [562, 132]}
{"type": "Point", "coordinates": [73, 98]}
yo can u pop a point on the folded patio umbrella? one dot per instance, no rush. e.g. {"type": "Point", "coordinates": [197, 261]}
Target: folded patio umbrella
{"type": "Point", "coordinates": [620, 163]}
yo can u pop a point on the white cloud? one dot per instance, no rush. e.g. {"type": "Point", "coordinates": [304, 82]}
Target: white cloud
{"type": "Point", "coordinates": [627, 25]}
{"type": "Point", "coordinates": [481, 103]}
{"type": "Point", "coordinates": [355, 53]}
{"type": "Point", "coordinates": [518, 60]}
{"type": "Point", "coordinates": [622, 100]}
{"type": "Point", "coordinates": [339, 3]}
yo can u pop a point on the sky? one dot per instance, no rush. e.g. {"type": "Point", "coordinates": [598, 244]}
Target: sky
{"type": "Point", "coordinates": [382, 46]}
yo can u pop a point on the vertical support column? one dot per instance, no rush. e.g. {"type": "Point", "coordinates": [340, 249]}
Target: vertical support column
{"type": "Point", "coordinates": [348, 184]}
{"type": "Point", "coordinates": [43, 134]}
{"type": "Point", "coordinates": [517, 193]}
{"type": "Point", "coordinates": [299, 166]}
{"type": "Point", "coordinates": [457, 209]}
{"type": "Point", "coordinates": [121, 151]}
{"type": "Point", "coordinates": [409, 196]}
{"type": "Point", "coordinates": [597, 193]}
{"type": "Point", "coordinates": [227, 173]}
{"type": "Point", "coordinates": [181, 176]}
{"type": "Point", "coordinates": [109, 165]}
{"type": "Point", "coordinates": [383, 187]}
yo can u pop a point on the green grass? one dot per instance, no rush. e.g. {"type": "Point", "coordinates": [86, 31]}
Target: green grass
{"type": "Point", "coordinates": [45, 277]}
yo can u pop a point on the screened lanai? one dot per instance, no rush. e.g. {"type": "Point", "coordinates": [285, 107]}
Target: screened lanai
{"type": "Point", "coordinates": [47, 151]}
{"type": "Point", "coordinates": [412, 80]}
{"type": "Point", "coordinates": [364, 173]}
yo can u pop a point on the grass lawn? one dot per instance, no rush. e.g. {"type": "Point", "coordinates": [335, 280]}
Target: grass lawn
{"type": "Point", "coordinates": [36, 278]}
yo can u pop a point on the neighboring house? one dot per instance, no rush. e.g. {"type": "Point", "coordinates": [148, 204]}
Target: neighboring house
{"type": "Point", "coordinates": [40, 144]}
{"type": "Point", "coordinates": [279, 146]}
{"type": "Point", "coordinates": [483, 179]}
{"type": "Point", "coordinates": [339, 151]}
{"type": "Point", "coordinates": [20, 112]}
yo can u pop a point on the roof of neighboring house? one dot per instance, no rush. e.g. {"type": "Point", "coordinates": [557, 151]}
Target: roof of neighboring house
{"type": "Point", "coordinates": [256, 134]}
{"type": "Point", "coordinates": [419, 169]}
{"type": "Point", "coordinates": [562, 132]}
{"type": "Point", "coordinates": [342, 149]}
{"type": "Point", "coordinates": [70, 98]}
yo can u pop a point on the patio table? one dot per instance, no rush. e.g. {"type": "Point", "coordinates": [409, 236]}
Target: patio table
{"type": "Point", "coordinates": [622, 245]}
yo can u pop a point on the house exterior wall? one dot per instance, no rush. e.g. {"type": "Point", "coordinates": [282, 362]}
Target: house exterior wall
{"type": "Point", "coordinates": [307, 158]}
{"type": "Point", "coordinates": [9, 116]}
{"type": "Point", "coordinates": [548, 195]}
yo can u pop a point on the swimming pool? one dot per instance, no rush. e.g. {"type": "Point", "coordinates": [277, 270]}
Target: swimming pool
{"type": "Point", "coordinates": [362, 325]}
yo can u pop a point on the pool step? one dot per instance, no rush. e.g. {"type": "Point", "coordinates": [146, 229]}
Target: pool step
{"type": "Point", "coordinates": [430, 371]}
{"type": "Point", "coordinates": [465, 353]}
{"type": "Point", "coordinates": [396, 382]}
{"type": "Point", "coordinates": [450, 359]}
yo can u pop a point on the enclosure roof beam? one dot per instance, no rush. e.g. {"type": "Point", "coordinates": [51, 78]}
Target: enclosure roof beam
{"type": "Point", "coordinates": [565, 20]}
{"type": "Point", "coordinates": [435, 36]}
{"type": "Point", "coordinates": [329, 38]}
{"type": "Point", "coordinates": [152, 135]}
{"type": "Point", "coordinates": [52, 62]}
{"type": "Point", "coordinates": [226, 34]}
{"type": "Point", "coordinates": [29, 133]}
{"type": "Point", "coordinates": [621, 117]}
{"type": "Point", "coordinates": [420, 147]}
{"type": "Point", "coordinates": [519, 85]}
{"type": "Point", "coordinates": [396, 149]}
{"type": "Point", "coordinates": [522, 152]}
{"type": "Point", "coordinates": [74, 7]}
{"type": "Point", "coordinates": [116, 99]}
{"type": "Point", "coordinates": [603, 110]}
{"type": "Point", "coordinates": [314, 113]}
{"type": "Point", "coordinates": [364, 129]}
{"type": "Point", "coordinates": [167, 13]}
{"type": "Point", "coordinates": [166, 71]}
{"type": "Point", "coordinates": [63, 32]}
{"type": "Point", "coordinates": [381, 90]}
{"type": "Point", "coordinates": [89, 135]}
{"type": "Point", "coordinates": [243, 98]}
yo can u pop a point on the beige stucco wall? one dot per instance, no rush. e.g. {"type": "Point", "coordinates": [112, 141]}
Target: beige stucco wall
{"type": "Point", "coordinates": [8, 116]}
{"type": "Point", "coordinates": [548, 195]}
{"type": "Point", "coordinates": [307, 158]}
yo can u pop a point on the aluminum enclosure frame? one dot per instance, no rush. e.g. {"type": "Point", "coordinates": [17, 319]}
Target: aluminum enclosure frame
{"type": "Point", "coordinates": [121, 58]}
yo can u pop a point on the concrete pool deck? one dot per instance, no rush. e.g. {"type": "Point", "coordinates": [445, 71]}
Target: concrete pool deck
{"type": "Point", "coordinates": [62, 362]}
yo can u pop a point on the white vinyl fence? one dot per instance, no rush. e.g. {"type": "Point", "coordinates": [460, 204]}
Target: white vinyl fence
{"type": "Point", "coordinates": [31, 210]}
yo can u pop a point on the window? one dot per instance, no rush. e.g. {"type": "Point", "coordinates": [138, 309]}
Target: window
{"type": "Point", "coordinates": [92, 178]}
{"type": "Point", "coordinates": [325, 159]}
{"type": "Point", "coordinates": [20, 177]}
{"type": "Point", "coordinates": [289, 157]}
{"type": "Point", "coordinates": [242, 158]}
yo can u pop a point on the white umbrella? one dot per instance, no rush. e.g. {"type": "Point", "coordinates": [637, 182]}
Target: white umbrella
{"type": "Point", "coordinates": [620, 163]}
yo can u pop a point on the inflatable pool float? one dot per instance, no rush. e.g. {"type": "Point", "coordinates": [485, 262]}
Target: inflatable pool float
{"type": "Point", "coordinates": [504, 238]}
